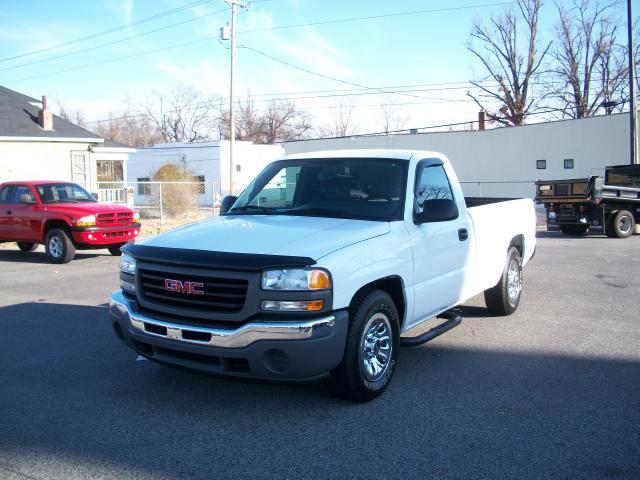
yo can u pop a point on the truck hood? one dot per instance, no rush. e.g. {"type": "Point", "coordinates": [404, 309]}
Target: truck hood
{"type": "Point", "coordinates": [85, 208]}
{"type": "Point", "coordinates": [312, 237]}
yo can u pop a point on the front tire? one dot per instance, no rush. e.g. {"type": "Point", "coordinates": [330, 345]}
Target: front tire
{"type": "Point", "coordinates": [59, 246]}
{"type": "Point", "coordinates": [115, 249]}
{"type": "Point", "coordinates": [27, 246]}
{"type": "Point", "coordinates": [371, 351]}
{"type": "Point", "coordinates": [504, 298]}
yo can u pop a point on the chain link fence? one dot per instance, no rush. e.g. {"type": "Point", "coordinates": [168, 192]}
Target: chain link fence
{"type": "Point", "coordinates": [163, 205]}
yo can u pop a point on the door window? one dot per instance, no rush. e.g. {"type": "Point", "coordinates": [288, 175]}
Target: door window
{"type": "Point", "coordinates": [432, 184]}
{"type": "Point", "coordinates": [19, 192]}
{"type": "Point", "coordinates": [5, 194]}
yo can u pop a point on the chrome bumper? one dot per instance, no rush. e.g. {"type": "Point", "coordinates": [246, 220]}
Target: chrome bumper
{"type": "Point", "coordinates": [121, 308]}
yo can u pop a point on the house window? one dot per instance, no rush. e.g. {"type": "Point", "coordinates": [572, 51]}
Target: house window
{"type": "Point", "coordinates": [238, 168]}
{"type": "Point", "coordinates": [80, 168]}
{"type": "Point", "coordinates": [568, 163]}
{"type": "Point", "coordinates": [109, 170]}
{"type": "Point", "coordinates": [541, 164]}
{"type": "Point", "coordinates": [144, 188]}
{"type": "Point", "coordinates": [200, 185]}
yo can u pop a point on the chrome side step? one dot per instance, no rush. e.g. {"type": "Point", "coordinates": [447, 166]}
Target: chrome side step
{"type": "Point", "coordinates": [453, 320]}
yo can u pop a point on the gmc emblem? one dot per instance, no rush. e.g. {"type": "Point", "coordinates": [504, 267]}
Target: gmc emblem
{"type": "Point", "coordinates": [178, 286]}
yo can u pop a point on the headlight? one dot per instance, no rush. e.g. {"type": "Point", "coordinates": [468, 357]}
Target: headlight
{"type": "Point", "coordinates": [127, 264]}
{"type": "Point", "coordinates": [88, 221]}
{"type": "Point", "coordinates": [296, 279]}
{"type": "Point", "coordinates": [136, 217]}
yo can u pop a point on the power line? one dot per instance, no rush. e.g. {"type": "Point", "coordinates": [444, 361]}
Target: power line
{"type": "Point", "coordinates": [111, 30]}
{"type": "Point", "coordinates": [204, 39]}
{"type": "Point", "coordinates": [375, 17]}
{"type": "Point", "coordinates": [96, 47]}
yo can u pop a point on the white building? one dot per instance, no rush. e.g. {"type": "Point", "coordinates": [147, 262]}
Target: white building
{"type": "Point", "coordinates": [37, 145]}
{"type": "Point", "coordinates": [208, 162]}
{"type": "Point", "coordinates": [505, 162]}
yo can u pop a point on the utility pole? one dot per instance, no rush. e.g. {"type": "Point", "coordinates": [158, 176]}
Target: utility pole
{"type": "Point", "coordinates": [232, 110]}
{"type": "Point", "coordinates": [633, 142]}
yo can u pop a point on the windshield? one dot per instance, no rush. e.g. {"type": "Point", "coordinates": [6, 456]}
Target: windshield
{"type": "Point", "coordinates": [63, 193]}
{"type": "Point", "coordinates": [358, 188]}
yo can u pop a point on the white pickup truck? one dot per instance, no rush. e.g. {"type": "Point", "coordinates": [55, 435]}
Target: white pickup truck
{"type": "Point", "coordinates": [319, 266]}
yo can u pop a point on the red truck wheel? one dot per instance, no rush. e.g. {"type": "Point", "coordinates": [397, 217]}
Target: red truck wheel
{"type": "Point", "coordinates": [59, 247]}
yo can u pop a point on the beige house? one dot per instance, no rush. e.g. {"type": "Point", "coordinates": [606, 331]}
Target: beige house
{"type": "Point", "coordinates": [37, 145]}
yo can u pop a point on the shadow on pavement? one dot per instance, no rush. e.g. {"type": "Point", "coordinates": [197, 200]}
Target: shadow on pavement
{"type": "Point", "coordinates": [7, 255]}
{"type": "Point", "coordinates": [76, 401]}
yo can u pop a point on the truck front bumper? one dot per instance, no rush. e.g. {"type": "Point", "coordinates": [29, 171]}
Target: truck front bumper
{"type": "Point", "coordinates": [101, 236]}
{"type": "Point", "coordinates": [263, 349]}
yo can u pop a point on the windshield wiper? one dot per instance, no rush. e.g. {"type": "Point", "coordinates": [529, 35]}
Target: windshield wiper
{"type": "Point", "coordinates": [253, 209]}
{"type": "Point", "coordinates": [317, 211]}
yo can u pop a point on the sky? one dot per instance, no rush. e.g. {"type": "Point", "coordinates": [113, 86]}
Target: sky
{"type": "Point", "coordinates": [417, 49]}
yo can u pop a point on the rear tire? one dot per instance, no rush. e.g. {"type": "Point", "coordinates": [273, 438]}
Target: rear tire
{"type": "Point", "coordinates": [371, 351]}
{"type": "Point", "coordinates": [59, 246]}
{"type": "Point", "coordinates": [622, 224]}
{"type": "Point", "coordinates": [504, 298]}
{"type": "Point", "coordinates": [27, 246]}
{"type": "Point", "coordinates": [574, 230]}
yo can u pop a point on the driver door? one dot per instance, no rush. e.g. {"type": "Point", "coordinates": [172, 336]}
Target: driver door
{"type": "Point", "coordinates": [440, 248]}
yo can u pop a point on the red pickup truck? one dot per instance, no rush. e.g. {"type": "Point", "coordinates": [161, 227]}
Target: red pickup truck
{"type": "Point", "coordinates": [64, 217]}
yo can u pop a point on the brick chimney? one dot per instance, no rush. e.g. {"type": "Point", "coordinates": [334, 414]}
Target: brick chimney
{"type": "Point", "coordinates": [481, 119]}
{"type": "Point", "coordinates": [45, 118]}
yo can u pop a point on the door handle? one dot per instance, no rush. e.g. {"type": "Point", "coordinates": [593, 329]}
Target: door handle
{"type": "Point", "coordinates": [463, 234]}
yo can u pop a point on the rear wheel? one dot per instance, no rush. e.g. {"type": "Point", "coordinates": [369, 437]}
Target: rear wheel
{"type": "Point", "coordinates": [622, 224]}
{"type": "Point", "coordinates": [504, 298]}
{"type": "Point", "coordinates": [372, 349]}
{"type": "Point", "coordinates": [574, 230]}
{"type": "Point", "coordinates": [27, 246]}
{"type": "Point", "coordinates": [59, 247]}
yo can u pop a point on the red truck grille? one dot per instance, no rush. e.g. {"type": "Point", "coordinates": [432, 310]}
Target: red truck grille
{"type": "Point", "coordinates": [224, 295]}
{"type": "Point", "coordinates": [114, 219]}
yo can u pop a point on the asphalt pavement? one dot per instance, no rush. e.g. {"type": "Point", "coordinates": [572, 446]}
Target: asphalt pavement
{"type": "Point", "coordinates": [551, 392]}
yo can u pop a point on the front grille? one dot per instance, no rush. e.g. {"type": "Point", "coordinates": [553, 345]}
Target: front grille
{"type": "Point", "coordinates": [223, 295]}
{"type": "Point", "coordinates": [114, 219]}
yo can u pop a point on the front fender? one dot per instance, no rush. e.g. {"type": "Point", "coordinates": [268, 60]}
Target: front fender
{"type": "Point", "coordinates": [359, 264]}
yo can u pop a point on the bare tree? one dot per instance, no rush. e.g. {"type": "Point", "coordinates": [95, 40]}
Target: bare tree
{"type": "Point", "coordinates": [278, 122]}
{"type": "Point", "coordinates": [589, 64]}
{"type": "Point", "coordinates": [74, 116]}
{"type": "Point", "coordinates": [182, 115]}
{"type": "Point", "coordinates": [283, 121]}
{"type": "Point", "coordinates": [392, 116]}
{"type": "Point", "coordinates": [343, 123]}
{"type": "Point", "coordinates": [128, 128]}
{"type": "Point", "coordinates": [511, 60]}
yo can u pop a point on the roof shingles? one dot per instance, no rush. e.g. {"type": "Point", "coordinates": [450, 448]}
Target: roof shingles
{"type": "Point", "coordinates": [19, 118]}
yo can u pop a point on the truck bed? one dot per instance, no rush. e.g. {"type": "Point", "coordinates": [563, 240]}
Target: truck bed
{"type": "Point", "coordinates": [479, 201]}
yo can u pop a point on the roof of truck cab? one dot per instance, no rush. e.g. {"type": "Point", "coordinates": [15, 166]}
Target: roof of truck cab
{"type": "Point", "coordinates": [363, 153]}
{"type": "Point", "coordinates": [33, 182]}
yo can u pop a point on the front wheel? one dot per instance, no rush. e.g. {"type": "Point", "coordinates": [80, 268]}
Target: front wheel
{"type": "Point", "coordinates": [504, 298]}
{"type": "Point", "coordinates": [27, 246]}
{"type": "Point", "coordinates": [59, 246]}
{"type": "Point", "coordinates": [371, 351]}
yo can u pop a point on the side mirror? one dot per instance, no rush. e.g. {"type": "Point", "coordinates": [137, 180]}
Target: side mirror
{"type": "Point", "coordinates": [437, 210]}
{"type": "Point", "coordinates": [94, 195]}
{"type": "Point", "coordinates": [28, 199]}
{"type": "Point", "coordinates": [227, 203]}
